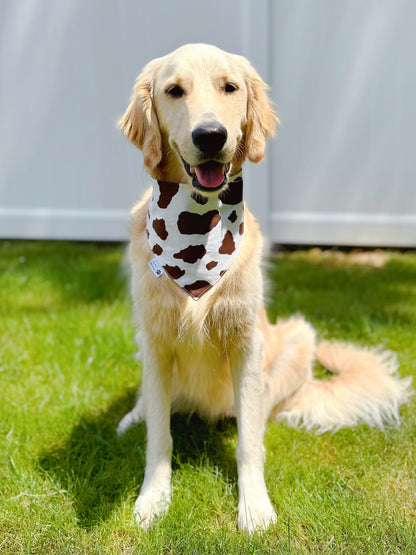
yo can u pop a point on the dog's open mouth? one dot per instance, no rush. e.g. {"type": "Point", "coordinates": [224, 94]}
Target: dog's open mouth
{"type": "Point", "coordinates": [209, 176]}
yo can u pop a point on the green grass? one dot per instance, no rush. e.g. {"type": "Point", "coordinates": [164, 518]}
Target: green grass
{"type": "Point", "coordinates": [68, 374]}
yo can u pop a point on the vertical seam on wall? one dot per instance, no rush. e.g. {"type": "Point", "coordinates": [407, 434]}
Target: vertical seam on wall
{"type": "Point", "coordinates": [270, 60]}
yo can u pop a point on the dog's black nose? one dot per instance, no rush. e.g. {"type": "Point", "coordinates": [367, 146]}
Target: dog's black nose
{"type": "Point", "coordinates": [209, 138]}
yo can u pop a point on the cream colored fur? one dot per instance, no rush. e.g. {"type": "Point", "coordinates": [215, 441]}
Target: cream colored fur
{"type": "Point", "coordinates": [219, 356]}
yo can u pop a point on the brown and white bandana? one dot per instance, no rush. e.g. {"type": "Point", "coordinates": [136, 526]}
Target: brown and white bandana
{"type": "Point", "coordinates": [194, 238]}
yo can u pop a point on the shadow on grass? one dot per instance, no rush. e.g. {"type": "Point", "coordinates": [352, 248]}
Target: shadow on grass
{"type": "Point", "coordinates": [353, 297]}
{"type": "Point", "coordinates": [98, 469]}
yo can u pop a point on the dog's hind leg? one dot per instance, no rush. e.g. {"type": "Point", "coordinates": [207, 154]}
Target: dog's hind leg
{"type": "Point", "coordinates": [136, 415]}
{"type": "Point", "coordinates": [131, 418]}
{"type": "Point", "coordinates": [288, 360]}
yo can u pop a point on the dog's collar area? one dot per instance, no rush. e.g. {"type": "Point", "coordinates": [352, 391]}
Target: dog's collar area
{"type": "Point", "coordinates": [196, 238]}
{"type": "Point", "coordinates": [231, 182]}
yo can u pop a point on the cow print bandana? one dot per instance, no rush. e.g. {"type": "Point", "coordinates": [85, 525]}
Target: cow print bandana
{"type": "Point", "coordinates": [195, 239]}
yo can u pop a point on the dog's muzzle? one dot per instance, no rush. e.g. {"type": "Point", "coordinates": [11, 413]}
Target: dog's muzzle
{"type": "Point", "coordinates": [209, 138]}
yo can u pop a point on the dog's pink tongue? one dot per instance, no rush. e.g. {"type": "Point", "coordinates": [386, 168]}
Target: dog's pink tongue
{"type": "Point", "coordinates": [210, 176]}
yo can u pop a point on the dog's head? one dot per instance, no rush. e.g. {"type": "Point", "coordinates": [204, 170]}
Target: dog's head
{"type": "Point", "coordinates": [196, 114]}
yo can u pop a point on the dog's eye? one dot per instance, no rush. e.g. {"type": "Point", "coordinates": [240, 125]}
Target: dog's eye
{"type": "Point", "coordinates": [175, 90]}
{"type": "Point", "coordinates": [230, 88]}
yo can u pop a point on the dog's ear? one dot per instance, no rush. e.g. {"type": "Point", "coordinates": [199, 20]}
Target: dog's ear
{"type": "Point", "coordinates": [261, 119]}
{"type": "Point", "coordinates": [139, 122]}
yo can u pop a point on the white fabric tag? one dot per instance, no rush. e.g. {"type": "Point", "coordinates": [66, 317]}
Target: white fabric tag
{"type": "Point", "coordinates": [156, 268]}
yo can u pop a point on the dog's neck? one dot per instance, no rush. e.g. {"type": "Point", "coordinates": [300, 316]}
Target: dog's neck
{"type": "Point", "coordinates": [195, 239]}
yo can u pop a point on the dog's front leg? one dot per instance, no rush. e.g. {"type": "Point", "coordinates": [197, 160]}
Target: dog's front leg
{"type": "Point", "coordinates": [255, 510]}
{"type": "Point", "coordinates": [155, 492]}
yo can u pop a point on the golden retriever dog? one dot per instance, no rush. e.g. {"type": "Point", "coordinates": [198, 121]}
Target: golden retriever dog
{"type": "Point", "coordinates": [195, 251]}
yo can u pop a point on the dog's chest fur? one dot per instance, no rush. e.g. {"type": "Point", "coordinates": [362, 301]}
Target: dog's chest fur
{"type": "Point", "coordinates": [194, 238]}
{"type": "Point", "coordinates": [200, 335]}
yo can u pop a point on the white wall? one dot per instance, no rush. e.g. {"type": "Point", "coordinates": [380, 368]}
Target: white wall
{"type": "Point", "coordinates": [342, 168]}
{"type": "Point", "coordinates": [66, 71]}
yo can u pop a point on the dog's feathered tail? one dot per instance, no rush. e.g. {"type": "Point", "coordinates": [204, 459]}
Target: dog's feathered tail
{"type": "Point", "coordinates": [365, 389]}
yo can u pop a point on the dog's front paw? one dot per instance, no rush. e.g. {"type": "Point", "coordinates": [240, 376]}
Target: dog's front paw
{"type": "Point", "coordinates": [256, 514]}
{"type": "Point", "coordinates": [149, 506]}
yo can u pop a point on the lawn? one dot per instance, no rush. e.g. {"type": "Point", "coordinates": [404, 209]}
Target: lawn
{"type": "Point", "coordinates": [68, 374]}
